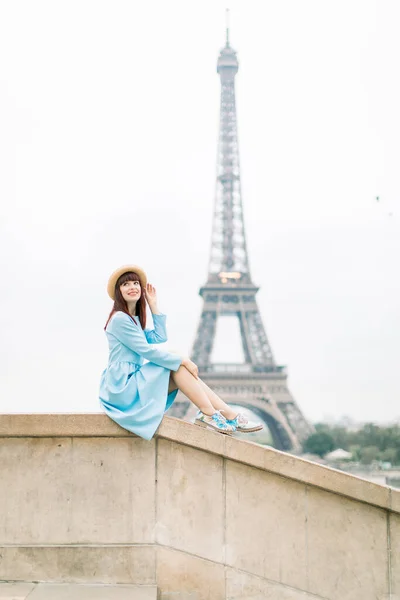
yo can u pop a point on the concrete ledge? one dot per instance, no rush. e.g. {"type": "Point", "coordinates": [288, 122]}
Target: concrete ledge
{"type": "Point", "coordinates": [60, 425]}
{"type": "Point", "coordinates": [86, 507]}
{"type": "Point", "coordinates": [281, 463]}
{"type": "Point", "coordinates": [254, 455]}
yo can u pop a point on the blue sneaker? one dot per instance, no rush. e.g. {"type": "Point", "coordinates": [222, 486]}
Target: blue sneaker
{"type": "Point", "coordinates": [215, 421]}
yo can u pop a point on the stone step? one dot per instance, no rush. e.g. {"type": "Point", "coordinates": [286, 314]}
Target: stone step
{"type": "Point", "coordinates": [73, 591]}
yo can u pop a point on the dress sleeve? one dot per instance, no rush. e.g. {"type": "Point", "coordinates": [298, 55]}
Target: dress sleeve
{"type": "Point", "coordinates": [158, 335]}
{"type": "Point", "coordinates": [132, 336]}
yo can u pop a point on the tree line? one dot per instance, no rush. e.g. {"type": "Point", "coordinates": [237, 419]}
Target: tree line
{"type": "Point", "coordinates": [369, 443]}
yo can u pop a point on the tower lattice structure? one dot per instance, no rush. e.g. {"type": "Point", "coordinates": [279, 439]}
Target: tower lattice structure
{"type": "Point", "coordinates": [258, 383]}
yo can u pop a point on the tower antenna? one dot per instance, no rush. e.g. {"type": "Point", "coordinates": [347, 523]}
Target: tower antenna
{"type": "Point", "coordinates": [227, 27]}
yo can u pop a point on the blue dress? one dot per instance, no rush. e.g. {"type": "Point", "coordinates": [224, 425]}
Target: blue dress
{"type": "Point", "coordinates": [133, 393]}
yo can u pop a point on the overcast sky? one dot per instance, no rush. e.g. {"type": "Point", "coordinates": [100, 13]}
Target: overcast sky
{"type": "Point", "coordinates": [108, 134]}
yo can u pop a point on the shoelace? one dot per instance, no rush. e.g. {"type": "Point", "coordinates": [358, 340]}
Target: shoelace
{"type": "Point", "coordinates": [219, 418]}
{"type": "Point", "coordinates": [242, 419]}
{"type": "Point", "coordinates": [239, 420]}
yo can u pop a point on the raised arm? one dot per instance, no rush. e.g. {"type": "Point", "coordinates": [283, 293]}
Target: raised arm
{"type": "Point", "coordinates": [158, 335]}
{"type": "Point", "coordinates": [132, 336]}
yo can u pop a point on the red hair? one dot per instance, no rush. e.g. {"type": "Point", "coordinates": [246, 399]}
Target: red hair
{"type": "Point", "coordinates": [120, 303]}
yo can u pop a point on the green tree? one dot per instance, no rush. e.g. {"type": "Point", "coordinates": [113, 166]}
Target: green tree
{"type": "Point", "coordinates": [390, 454]}
{"type": "Point", "coordinates": [385, 439]}
{"type": "Point", "coordinates": [368, 454]}
{"type": "Point", "coordinates": [355, 450]}
{"type": "Point", "coordinates": [319, 443]}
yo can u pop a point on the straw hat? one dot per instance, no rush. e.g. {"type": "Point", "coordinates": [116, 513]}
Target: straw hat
{"type": "Point", "coordinates": [125, 269]}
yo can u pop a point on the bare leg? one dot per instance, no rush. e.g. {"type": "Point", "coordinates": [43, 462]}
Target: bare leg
{"type": "Point", "coordinates": [218, 403]}
{"type": "Point", "coordinates": [192, 388]}
{"type": "Point", "coordinates": [171, 385]}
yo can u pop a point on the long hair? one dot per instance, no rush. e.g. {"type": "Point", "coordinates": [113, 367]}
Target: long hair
{"type": "Point", "coordinates": [120, 303]}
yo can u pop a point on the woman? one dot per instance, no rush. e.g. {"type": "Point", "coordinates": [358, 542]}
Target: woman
{"type": "Point", "coordinates": [136, 394]}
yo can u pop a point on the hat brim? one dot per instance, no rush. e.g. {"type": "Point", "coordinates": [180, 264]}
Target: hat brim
{"type": "Point", "coordinates": [125, 269]}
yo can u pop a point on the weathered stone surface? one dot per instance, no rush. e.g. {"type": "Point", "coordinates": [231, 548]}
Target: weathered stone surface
{"type": "Point", "coordinates": [48, 487]}
{"type": "Point", "coordinates": [188, 434]}
{"type": "Point", "coordinates": [284, 464]}
{"type": "Point", "coordinates": [35, 497]}
{"type": "Point", "coordinates": [79, 564]}
{"type": "Point", "coordinates": [15, 591]}
{"type": "Point", "coordinates": [124, 511]}
{"type": "Point", "coordinates": [308, 472]}
{"type": "Point", "coordinates": [242, 586]}
{"type": "Point", "coordinates": [347, 548]}
{"type": "Point", "coordinates": [85, 502]}
{"type": "Point", "coordinates": [190, 500]}
{"type": "Point", "coordinates": [93, 592]}
{"type": "Point", "coordinates": [184, 577]}
{"type": "Point", "coordinates": [394, 537]}
{"type": "Point", "coordinates": [266, 525]}
{"type": "Point", "coordinates": [395, 500]}
{"type": "Point", "coordinates": [59, 425]}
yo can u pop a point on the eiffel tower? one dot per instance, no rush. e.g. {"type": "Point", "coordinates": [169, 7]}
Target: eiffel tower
{"type": "Point", "coordinates": [258, 383]}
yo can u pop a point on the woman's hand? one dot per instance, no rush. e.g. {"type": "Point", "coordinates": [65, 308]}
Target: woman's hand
{"type": "Point", "coordinates": [191, 367]}
{"type": "Point", "coordinates": [151, 296]}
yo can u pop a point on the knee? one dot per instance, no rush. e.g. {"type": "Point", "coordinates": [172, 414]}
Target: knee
{"type": "Point", "coordinates": [177, 372]}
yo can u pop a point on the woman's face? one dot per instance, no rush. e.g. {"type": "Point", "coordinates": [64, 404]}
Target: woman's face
{"type": "Point", "coordinates": [131, 291]}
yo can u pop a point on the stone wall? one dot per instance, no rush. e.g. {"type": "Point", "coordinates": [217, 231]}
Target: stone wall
{"type": "Point", "coordinates": [198, 514]}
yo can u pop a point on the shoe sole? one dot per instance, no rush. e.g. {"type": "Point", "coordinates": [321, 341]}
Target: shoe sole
{"type": "Point", "coordinates": [209, 426]}
{"type": "Point", "coordinates": [249, 430]}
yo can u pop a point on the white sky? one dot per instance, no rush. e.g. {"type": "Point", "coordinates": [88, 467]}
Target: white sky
{"type": "Point", "coordinates": [108, 134]}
